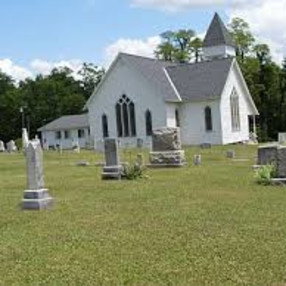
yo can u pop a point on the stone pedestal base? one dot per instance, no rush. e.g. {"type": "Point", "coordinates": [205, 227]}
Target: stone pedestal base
{"type": "Point", "coordinates": [111, 173]}
{"type": "Point", "coordinates": [167, 159]}
{"type": "Point", "coordinates": [36, 199]}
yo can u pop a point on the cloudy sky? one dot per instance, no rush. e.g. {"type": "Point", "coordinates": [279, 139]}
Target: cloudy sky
{"type": "Point", "coordinates": [40, 35]}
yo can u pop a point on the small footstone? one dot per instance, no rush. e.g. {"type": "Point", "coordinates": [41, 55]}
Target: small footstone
{"type": "Point", "coordinates": [83, 164]}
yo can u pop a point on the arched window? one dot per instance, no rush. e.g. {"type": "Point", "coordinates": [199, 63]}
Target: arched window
{"type": "Point", "coordinates": [104, 122]}
{"type": "Point", "coordinates": [125, 117]}
{"type": "Point", "coordinates": [234, 110]}
{"type": "Point", "coordinates": [148, 122]}
{"type": "Point", "coordinates": [208, 119]}
{"type": "Point", "coordinates": [177, 118]}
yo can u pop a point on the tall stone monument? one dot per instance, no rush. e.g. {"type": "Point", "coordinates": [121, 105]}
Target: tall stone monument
{"type": "Point", "coordinates": [167, 148]}
{"type": "Point", "coordinates": [2, 147]}
{"type": "Point", "coordinates": [112, 168]}
{"type": "Point", "coordinates": [36, 197]}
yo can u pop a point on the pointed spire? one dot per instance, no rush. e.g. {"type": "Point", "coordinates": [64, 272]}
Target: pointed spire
{"type": "Point", "coordinates": [217, 34]}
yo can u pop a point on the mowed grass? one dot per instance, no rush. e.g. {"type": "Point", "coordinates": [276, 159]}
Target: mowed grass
{"type": "Point", "coordinates": [207, 225]}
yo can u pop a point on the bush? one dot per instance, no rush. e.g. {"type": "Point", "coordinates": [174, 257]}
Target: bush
{"type": "Point", "coordinates": [133, 172]}
{"type": "Point", "coordinates": [265, 173]}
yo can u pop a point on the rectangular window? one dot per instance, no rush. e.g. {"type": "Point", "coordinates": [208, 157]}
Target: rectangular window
{"type": "Point", "coordinates": [67, 134]}
{"type": "Point", "coordinates": [58, 135]}
{"type": "Point", "coordinates": [80, 133]}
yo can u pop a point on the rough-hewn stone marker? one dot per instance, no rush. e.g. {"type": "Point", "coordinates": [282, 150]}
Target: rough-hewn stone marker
{"type": "Point", "coordinates": [167, 148]}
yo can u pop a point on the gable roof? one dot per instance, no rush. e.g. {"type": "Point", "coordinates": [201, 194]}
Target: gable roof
{"type": "Point", "coordinates": [66, 123]}
{"type": "Point", "coordinates": [218, 34]}
{"type": "Point", "coordinates": [200, 81]}
{"type": "Point", "coordinates": [154, 71]}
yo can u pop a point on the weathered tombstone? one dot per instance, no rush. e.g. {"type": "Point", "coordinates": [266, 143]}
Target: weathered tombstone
{"type": "Point", "coordinates": [140, 159]}
{"type": "Point", "coordinates": [2, 146]}
{"type": "Point", "coordinates": [230, 154]}
{"type": "Point", "coordinates": [25, 140]}
{"type": "Point", "coordinates": [282, 138]}
{"type": "Point", "coordinates": [76, 146]}
{"type": "Point", "coordinates": [11, 146]}
{"type": "Point", "coordinates": [36, 197]}
{"type": "Point", "coordinates": [197, 160]}
{"type": "Point", "coordinates": [253, 138]}
{"type": "Point", "coordinates": [281, 162]}
{"type": "Point", "coordinates": [167, 148]}
{"type": "Point", "coordinates": [206, 146]}
{"type": "Point", "coordinates": [140, 143]}
{"type": "Point", "coordinates": [112, 168]}
{"type": "Point", "coordinates": [267, 154]}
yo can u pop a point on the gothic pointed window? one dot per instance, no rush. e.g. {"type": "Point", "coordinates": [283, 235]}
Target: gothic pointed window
{"type": "Point", "coordinates": [125, 117]}
{"type": "Point", "coordinates": [234, 110]}
{"type": "Point", "coordinates": [148, 122]}
{"type": "Point", "coordinates": [104, 122]}
{"type": "Point", "coordinates": [208, 119]}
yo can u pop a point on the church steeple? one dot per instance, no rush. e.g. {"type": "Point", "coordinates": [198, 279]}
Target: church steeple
{"type": "Point", "coordinates": [218, 42]}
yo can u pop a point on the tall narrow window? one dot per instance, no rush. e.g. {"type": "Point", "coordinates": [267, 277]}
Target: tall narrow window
{"type": "Point", "coordinates": [208, 119]}
{"type": "Point", "coordinates": [125, 117]}
{"type": "Point", "coordinates": [148, 122]}
{"type": "Point", "coordinates": [234, 110]}
{"type": "Point", "coordinates": [104, 126]}
{"type": "Point", "coordinates": [177, 115]}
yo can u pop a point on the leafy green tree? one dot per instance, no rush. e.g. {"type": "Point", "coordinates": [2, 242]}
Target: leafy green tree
{"type": "Point", "coordinates": [91, 77]}
{"type": "Point", "coordinates": [243, 37]}
{"type": "Point", "coordinates": [175, 46]}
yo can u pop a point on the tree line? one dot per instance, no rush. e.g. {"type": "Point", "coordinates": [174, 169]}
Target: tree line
{"type": "Point", "coordinates": [36, 102]}
{"type": "Point", "coordinates": [46, 98]}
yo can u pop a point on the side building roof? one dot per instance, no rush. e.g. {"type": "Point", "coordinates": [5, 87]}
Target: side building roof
{"type": "Point", "coordinates": [66, 123]}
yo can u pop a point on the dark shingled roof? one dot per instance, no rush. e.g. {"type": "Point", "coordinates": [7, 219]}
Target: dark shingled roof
{"type": "Point", "coordinates": [218, 34]}
{"type": "Point", "coordinates": [153, 71]}
{"type": "Point", "coordinates": [67, 122]}
{"type": "Point", "coordinates": [200, 81]}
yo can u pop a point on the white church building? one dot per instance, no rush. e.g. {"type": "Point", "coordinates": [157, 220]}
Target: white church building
{"type": "Point", "coordinates": [209, 100]}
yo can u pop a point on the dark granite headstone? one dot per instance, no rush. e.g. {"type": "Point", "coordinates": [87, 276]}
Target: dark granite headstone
{"type": "Point", "coordinates": [267, 154]}
{"type": "Point", "coordinates": [111, 152]}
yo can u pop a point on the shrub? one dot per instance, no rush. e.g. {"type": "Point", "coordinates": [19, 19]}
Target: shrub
{"type": "Point", "coordinates": [133, 172]}
{"type": "Point", "coordinates": [265, 173]}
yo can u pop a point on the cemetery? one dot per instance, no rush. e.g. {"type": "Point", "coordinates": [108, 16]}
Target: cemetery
{"type": "Point", "coordinates": [206, 223]}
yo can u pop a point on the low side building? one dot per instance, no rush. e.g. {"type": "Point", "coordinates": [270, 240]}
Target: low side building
{"type": "Point", "coordinates": [66, 131]}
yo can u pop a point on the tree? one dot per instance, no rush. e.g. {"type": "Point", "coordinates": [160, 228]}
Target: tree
{"type": "Point", "coordinates": [243, 37]}
{"type": "Point", "coordinates": [196, 48]}
{"type": "Point", "coordinates": [91, 75]}
{"type": "Point", "coordinates": [175, 46]}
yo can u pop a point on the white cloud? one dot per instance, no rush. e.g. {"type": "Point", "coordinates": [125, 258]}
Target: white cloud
{"type": "Point", "coordinates": [43, 67]}
{"type": "Point", "coordinates": [175, 5]}
{"type": "Point", "coordinates": [38, 66]}
{"type": "Point", "coordinates": [267, 21]}
{"type": "Point", "coordinates": [15, 71]}
{"type": "Point", "coordinates": [132, 46]}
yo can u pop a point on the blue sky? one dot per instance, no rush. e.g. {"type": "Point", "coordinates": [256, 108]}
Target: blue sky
{"type": "Point", "coordinates": [38, 34]}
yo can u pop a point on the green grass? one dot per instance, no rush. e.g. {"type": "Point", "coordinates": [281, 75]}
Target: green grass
{"type": "Point", "coordinates": [207, 225]}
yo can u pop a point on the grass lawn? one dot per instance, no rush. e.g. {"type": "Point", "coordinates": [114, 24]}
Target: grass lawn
{"type": "Point", "coordinates": [207, 225]}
